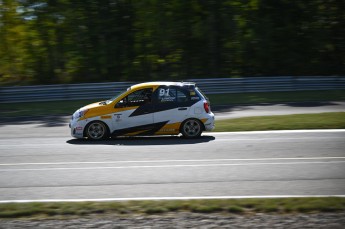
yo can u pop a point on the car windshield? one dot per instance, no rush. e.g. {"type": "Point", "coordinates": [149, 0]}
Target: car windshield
{"type": "Point", "coordinates": [115, 97]}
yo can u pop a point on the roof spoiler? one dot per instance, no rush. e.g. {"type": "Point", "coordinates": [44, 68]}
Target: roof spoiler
{"type": "Point", "coordinates": [188, 83]}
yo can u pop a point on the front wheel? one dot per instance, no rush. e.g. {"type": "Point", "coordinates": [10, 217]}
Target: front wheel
{"type": "Point", "coordinates": [97, 131]}
{"type": "Point", "coordinates": [191, 128]}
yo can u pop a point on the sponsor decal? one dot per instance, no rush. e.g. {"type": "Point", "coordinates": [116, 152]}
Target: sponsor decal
{"type": "Point", "coordinates": [106, 117]}
{"type": "Point", "coordinates": [79, 128]}
{"type": "Point", "coordinates": [168, 99]}
{"type": "Point", "coordinates": [118, 117]}
{"type": "Point", "coordinates": [167, 130]}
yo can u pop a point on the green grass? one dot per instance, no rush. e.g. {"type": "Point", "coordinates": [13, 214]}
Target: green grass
{"type": "Point", "coordinates": [276, 97]}
{"type": "Point", "coordinates": [243, 206]}
{"type": "Point", "coordinates": [68, 107]}
{"type": "Point", "coordinates": [334, 120]}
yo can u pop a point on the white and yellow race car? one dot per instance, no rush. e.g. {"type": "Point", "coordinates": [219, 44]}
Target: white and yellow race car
{"type": "Point", "coordinates": [155, 108]}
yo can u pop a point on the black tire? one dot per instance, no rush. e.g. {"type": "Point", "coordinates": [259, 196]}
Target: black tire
{"type": "Point", "coordinates": [192, 128]}
{"type": "Point", "coordinates": [97, 130]}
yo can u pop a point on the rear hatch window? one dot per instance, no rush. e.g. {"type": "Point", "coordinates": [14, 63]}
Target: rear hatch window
{"type": "Point", "coordinates": [201, 94]}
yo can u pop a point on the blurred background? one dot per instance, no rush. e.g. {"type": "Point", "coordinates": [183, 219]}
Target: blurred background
{"type": "Point", "coordinates": [74, 41]}
{"type": "Point", "coordinates": [242, 50]}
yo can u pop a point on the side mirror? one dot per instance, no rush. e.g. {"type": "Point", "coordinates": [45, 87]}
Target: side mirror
{"type": "Point", "coordinates": [120, 104]}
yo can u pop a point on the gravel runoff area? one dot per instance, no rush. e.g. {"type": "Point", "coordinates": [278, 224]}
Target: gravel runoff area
{"type": "Point", "coordinates": [188, 220]}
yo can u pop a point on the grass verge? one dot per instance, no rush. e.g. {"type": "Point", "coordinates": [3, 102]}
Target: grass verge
{"type": "Point", "coordinates": [334, 120]}
{"type": "Point", "coordinates": [239, 206]}
{"type": "Point", "coordinates": [277, 97]}
{"type": "Point", "coordinates": [68, 107]}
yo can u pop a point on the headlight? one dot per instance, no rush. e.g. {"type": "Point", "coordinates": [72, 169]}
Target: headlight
{"type": "Point", "coordinates": [79, 114]}
{"type": "Point", "coordinates": [82, 113]}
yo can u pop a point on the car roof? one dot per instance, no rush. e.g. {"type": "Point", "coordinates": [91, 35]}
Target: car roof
{"type": "Point", "coordinates": [159, 83]}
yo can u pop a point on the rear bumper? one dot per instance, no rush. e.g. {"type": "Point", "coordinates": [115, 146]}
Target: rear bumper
{"type": "Point", "coordinates": [210, 122]}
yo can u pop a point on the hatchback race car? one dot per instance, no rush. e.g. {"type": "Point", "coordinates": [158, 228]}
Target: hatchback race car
{"type": "Point", "coordinates": [154, 108]}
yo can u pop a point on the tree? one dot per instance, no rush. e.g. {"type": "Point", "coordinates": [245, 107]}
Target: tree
{"type": "Point", "coordinates": [66, 41]}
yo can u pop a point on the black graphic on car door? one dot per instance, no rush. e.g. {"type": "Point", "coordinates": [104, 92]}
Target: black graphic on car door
{"type": "Point", "coordinates": [137, 120]}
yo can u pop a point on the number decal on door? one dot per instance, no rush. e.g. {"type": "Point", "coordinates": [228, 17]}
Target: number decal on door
{"type": "Point", "coordinates": [163, 92]}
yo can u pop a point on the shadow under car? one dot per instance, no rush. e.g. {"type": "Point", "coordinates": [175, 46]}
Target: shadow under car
{"type": "Point", "coordinates": [150, 140]}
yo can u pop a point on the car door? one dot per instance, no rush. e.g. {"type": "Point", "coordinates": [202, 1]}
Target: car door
{"type": "Point", "coordinates": [135, 113]}
{"type": "Point", "coordinates": [170, 107]}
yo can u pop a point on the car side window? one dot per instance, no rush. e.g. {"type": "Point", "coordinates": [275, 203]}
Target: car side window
{"type": "Point", "coordinates": [172, 94]}
{"type": "Point", "coordinates": [194, 95]}
{"type": "Point", "coordinates": [137, 98]}
{"type": "Point", "coordinates": [182, 96]}
{"type": "Point", "coordinates": [167, 95]}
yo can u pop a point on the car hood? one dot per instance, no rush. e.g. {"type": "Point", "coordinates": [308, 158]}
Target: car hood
{"type": "Point", "coordinates": [92, 106]}
{"type": "Point", "coordinates": [97, 109]}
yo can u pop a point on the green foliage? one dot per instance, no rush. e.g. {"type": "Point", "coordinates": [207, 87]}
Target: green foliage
{"type": "Point", "coordinates": [66, 41]}
{"type": "Point", "coordinates": [334, 120]}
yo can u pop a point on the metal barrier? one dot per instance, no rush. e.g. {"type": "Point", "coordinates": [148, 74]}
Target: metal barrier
{"type": "Point", "coordinates": [208, 86]}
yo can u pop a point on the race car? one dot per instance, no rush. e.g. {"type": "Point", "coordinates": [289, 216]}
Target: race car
{"type": "Point", "coordinates": [153, 108]}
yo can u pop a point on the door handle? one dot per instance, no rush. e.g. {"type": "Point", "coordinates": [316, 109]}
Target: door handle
{"type": "Point", "coordinates": [182, 108]}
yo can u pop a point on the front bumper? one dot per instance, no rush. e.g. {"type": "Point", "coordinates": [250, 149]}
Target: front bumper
{"type": "Point", "coordinates": [77, 128]}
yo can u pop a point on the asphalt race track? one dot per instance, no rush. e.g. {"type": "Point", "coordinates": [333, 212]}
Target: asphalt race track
{"type": "Point", "coordinates": [42, 162]}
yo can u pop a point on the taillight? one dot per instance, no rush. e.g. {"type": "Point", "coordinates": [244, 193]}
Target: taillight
{"type": "Point", "coordinates": [206, 107]}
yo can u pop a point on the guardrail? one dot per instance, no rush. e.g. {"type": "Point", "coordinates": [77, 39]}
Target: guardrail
{"type": "Point", "coordinates": [208, 86]}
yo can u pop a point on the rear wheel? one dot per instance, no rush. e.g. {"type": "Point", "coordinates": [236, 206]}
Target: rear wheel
{"type": "Point", "coordinates": [97, 131]}
{"type": "Point", "coordinates": [191, 128]}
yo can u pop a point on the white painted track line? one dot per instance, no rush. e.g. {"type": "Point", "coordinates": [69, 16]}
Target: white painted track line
{"type": "Point", "coordinates": [171, 198]}
{"type": "Point", "coordinates": [169, 161]}
{"type": "Point", "coordinates": [170, 166]}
